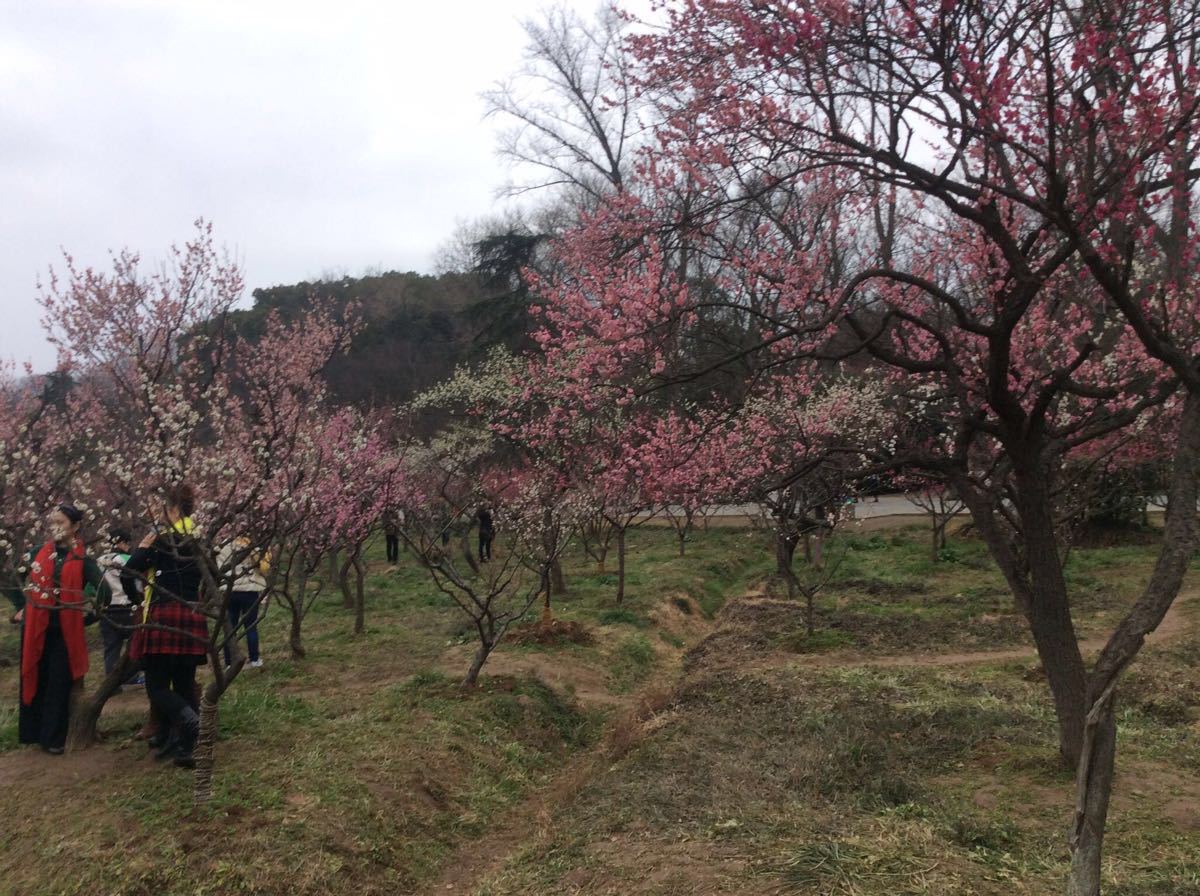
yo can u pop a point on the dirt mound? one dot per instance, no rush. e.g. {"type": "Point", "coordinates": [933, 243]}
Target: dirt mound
{"type": "Point", "coordinates": [557, 631]}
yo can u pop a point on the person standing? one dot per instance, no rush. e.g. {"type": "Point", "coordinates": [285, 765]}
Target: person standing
{"type": "Point", "coordinates": [391, 534]}
{"type": "Point", "coordinates": [118, 613]}
{"type": "Point", "coordinates": [250, 581]}
{"type": "Point", "coordinates": [175, 641]}
{"type": "Point", "coordinates": [487, 533]}
{"type": "Point", "coordinates": [53, 647]}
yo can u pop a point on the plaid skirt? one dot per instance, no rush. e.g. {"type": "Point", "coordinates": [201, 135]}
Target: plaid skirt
{"type": "Point", "coordinates": [188, 638]}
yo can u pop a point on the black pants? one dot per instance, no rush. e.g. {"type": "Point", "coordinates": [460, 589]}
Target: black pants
{"type": "Point", "coordinates": [45, 720]}
{"type": "Point", "coordinates": [115, 629]}
{"type": "Point", "coordinates": [393, 548]}
{"type": "Point", "coordinates": [171, 685]}
{"type": "Point", "coordinates": [486, 536]}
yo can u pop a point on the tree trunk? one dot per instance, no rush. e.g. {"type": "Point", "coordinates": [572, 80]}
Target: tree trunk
{"type": "Point", "coordinates": [1049, 614]}
{"type": "Point", "coordinates": [86, 709]}
{"type": "Point", "coordinates": [1093, 784]}
{"type": "Point", "coordinates": [205, 751]}
{"type": "Point", "coordinates": [936, 551]}
{"type": "Point", "coordinates": [557, 579]}
{"type": "Point", "coordinates": [620, 564]}
{"type": "Point", "coordinates": [547, 614]}
{"type": "Point", "coordinates": [294, 641]}
{"type": "Point", "coordinates": [332, 566]}
{"type": "Point", "coordinates": [1041, 595]}
{"type": "Point", "coordinates": [785, 552]}
{"type": "Point", "coordinates": [481, 655]}
{"type": "Point", "coordinates": [360, 602]}
{"type": "Point", "coordinates": [344, 582]}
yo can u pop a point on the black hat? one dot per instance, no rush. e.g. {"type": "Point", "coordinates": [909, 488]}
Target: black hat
{"type": "Point", "coordinates": [71, 512]}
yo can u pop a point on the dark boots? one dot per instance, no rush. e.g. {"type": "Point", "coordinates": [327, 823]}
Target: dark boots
{"type": "Point", "coordinates": [189, 730]}
{"type": "Point", "coordinates": [179, 743]}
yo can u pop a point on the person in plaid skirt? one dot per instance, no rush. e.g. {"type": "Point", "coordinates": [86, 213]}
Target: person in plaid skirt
{"type": "Point", "coordinates": [174, 641]}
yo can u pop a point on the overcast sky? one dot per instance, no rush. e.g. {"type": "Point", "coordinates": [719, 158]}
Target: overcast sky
{"type": "Point", "coordinates": [315, 137]}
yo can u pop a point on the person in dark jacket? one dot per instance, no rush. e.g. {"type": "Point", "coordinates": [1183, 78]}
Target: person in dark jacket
{"type": "Point", "coordinates": [487, 533]}
{"type": "Point", "coordinates": [174, 641]}
{"type": "Point", "coordinates": [54, 651]}
{"type": "Point", "coordinates": [391, 534]}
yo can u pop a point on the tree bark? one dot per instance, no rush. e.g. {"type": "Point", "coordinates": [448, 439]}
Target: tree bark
{"type": "Point", "coordinates": [86, 709]}
{"type": "Point", "coordinates": [481, 655]}
{"type": "Point", "coordinates": [547, 613]}
{"type": "Point", "coordinates": [620, 564]}
{"type": "Point", "coordinates": [785, 552]}
{"type": "Point", "coordinates": [1040, 590]}
{"type": "Point", "coordinates": [1093, 783]}
{"type": "Point", "coordinates": [344, 581]}
{"type": "Point", "coordinates": [360, 609]}
{"type": "Point", "coordinates": [557, 580]}
{"type": "Point", "coordinates": [205, 751]}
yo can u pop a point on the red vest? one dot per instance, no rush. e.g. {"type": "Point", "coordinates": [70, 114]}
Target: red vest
{"type": "Point", "coordinates": [41, 594]}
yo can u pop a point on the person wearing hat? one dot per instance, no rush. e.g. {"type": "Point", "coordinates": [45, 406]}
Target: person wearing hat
{"type": "Point", "coordinates": [54, 651]}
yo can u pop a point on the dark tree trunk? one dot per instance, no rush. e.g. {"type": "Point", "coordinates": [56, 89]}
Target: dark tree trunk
{"type": "Point", "coordinates": [1040, 590]}
{"type": "Point", "coordinates": [332, 566]}
{"type": "Point", "coordinates": [1094, 780]}
{"type": "Point", "coordinates": [344, 581]}
{"type": "Point", "coordinates": [294, 640]}
{"type": "Point", "coordinates": [620, 564]}
{"type": "Point", "coordinates": [296, 605]}
{"type": "Point", "coordinates": [86, 708]}
{"type": "Point", "coordinates": [360, 602]}
{"type": "Point", "coordinates": [481, 654]}
{"type": "Point", "coordinates": [557, 579]}
{"type": "Point", "coordinates": [547, 613]}
{"type": "Point", "coordinates": [785, 552]}
{"type": "Point", "coordinates": [1049, 614]}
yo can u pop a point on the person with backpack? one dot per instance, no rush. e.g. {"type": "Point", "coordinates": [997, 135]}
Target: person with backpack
{"type": "Point", "coordinates": [250, 581]}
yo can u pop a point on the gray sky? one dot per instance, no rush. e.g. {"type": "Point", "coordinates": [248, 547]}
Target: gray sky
{"type": "Point", "coordinates": [314, 136]}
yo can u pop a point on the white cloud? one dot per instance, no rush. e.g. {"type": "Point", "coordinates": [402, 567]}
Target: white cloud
{"type": "Point", "coordinates": [315, 136]}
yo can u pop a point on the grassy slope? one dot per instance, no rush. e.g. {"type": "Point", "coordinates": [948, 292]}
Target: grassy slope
{"type": "Point", "coordinates": [361, 769]}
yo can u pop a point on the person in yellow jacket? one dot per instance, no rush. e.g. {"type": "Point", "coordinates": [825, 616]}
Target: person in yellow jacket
{"type": "Point", "coordinates": [250, 582]}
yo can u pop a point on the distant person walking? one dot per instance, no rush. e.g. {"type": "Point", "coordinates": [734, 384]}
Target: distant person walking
{"type": "Point", "coordinates": [175, 642]}
{"type": "Point", "coordinates": [391, 533]}
{"type": "Point", "coordinates": [487, 533]}
{"type": "Point", "coordinates": [250, 581]}
{"type": "Point", "coordinates": [53, 647]}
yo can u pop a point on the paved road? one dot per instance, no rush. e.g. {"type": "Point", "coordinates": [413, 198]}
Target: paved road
{"type": "Point", "coordinates": [864, 509]}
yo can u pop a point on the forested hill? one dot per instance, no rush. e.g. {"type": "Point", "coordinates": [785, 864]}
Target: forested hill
{"type": "Point", "coordinates": [416, 328]}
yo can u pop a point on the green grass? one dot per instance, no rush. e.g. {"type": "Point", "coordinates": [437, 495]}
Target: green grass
{"type": "Point", "coordinates": [363, 768]}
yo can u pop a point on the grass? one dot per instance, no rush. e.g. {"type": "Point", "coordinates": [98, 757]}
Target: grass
{"type": "Point", "coordinates": [364, 769]}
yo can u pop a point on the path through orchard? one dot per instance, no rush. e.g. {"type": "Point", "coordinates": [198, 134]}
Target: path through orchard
{"type": "Point", "coordinates": [530, 825]}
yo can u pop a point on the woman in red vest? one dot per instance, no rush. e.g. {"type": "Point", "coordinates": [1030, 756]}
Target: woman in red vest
{"type": "Point", "coordinates": [54, 652]}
